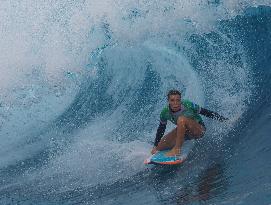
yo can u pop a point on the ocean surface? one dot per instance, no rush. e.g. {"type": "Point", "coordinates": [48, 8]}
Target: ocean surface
{"type": "Point", "coordinates": [82, 85]}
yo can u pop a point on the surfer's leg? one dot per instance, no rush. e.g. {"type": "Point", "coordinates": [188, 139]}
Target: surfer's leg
{"type": "Point", "coordinates": [189, 126]}
{"type": "Point", "coordinates": [168, 141]}
{"type": "Point", "coordinates": [194, 129]}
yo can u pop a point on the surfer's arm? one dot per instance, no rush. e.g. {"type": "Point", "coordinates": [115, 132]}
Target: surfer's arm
{"type": "Point", "coordinates": [160, 132]}
{"type": "Point", "coordinates": [211, 114]}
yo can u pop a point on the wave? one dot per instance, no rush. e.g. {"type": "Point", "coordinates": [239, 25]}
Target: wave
{"type": "Point", "coordinates": [83, 107]}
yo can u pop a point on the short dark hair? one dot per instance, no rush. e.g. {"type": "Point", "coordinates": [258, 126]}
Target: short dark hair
{"type": "Point", "coordinates": [173, 92]}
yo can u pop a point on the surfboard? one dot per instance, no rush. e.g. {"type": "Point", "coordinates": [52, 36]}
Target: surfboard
{"type": "Point", "coordinates": [161, 158]}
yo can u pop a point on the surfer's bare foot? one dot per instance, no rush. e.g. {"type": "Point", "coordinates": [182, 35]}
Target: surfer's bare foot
{"type": "Point", "coordinates": [173, 152]}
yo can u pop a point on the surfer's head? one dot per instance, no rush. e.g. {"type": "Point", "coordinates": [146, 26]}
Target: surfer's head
{"type": "Point", "coordinates": [174, 100]}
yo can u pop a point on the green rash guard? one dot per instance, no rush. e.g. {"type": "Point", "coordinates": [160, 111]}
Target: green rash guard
{"type": "Point", "coordinates": [188, 109]}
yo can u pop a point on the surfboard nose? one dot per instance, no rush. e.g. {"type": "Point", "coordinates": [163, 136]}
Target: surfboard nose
{"type": "Point", "coordinates": [147, 161]}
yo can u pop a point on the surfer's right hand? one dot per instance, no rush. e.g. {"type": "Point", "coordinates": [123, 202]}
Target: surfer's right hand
{"type": "Point", "coordinates": [154, 150]}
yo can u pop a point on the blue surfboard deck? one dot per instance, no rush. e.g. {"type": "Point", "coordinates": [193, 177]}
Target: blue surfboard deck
{"type": "Point", "coordinates": [161, 158]}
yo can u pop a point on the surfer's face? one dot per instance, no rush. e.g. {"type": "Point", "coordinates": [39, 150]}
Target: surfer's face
{"type": "Point", "coordinates": [174, 102]}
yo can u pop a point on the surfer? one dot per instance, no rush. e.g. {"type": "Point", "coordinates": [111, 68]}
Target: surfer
{"type": "Point", "coordinates": [186, 115]}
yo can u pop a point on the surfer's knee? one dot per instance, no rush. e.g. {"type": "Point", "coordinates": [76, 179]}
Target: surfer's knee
{"type": "Point", "coordinates": [182, 120]}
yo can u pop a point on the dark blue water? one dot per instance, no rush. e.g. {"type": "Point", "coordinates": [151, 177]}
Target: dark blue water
{"type": "Point", "coordinates": [77, 125]}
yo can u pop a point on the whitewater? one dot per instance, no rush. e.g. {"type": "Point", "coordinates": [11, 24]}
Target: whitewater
{"type": "Point", "coordinates": [82, 85]}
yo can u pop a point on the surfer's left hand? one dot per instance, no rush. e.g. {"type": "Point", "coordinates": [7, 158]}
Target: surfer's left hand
{"type": "Point", "coordinates": [154, 150]}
